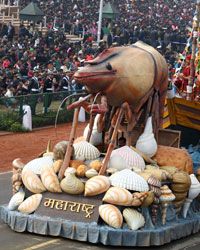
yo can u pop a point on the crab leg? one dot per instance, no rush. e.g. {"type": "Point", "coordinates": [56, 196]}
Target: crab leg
{"type": "Point", "coordinates": [81, 102]}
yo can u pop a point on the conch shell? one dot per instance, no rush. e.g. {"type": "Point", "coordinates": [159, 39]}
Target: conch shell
{"type": "Point", "coordinates": [133, 218]}
{"type": "Point", "coordinates": [30, 204]}
{"type": "Point", "coordinates": [96, 185]}
{"type": "Point", "coordinates": [138, 198]}
{"type": "Point", "coordinates": [118, 196]}
{"type": "Point", "coordinates": [71, 184]}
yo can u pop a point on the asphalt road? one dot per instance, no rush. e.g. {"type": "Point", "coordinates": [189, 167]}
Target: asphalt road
{"type": "Point", "coordinates": [11, 240]}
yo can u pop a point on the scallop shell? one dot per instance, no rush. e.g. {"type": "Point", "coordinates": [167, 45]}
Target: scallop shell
{"type": "Point", "coordinates": [129, 180]}
{"type": "Point", "coordinates": [85, 151]}
{"type": "Point", "coordinates": [50, 180]}
{"type": "Point", "coordinates": [111, 215]}
{"type": "Point", "coordinates": [96, 185]}
{"type": "Point", "coordinates": [117, 162]}
{"type": "Point", "coordinates": [154, 182]}
{"type": "Point", "coordinates": [131, 157]}
{"type": "Point", "coordinates": [91, 173]}
{"type": "Point", "coordinates": [37, 164]}
{"type": "Point", "coordinates": [16, 200]}
{"type": "Point", "coordinates": [57, 165]}
{"type": "Point", "coordinates": [133, 218]}
{"type": "Point", "coordinates": [30, 204]}
{"type": "Point", "coordinates": [71, 184]}
{"type": "Point", "coordinates": [118, 196]}
{"type": "Point", "coordinates": [32, 182]}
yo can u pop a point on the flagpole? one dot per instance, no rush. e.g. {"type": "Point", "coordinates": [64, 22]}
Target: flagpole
{"type": "Point", "coordinates": [100, 21]}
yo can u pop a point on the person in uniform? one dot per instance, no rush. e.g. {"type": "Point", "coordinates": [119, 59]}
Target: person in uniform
{"type": "Point", "coordinates": [33, 89]}
{"type": "Point", "coordinates": [48, 88]}
{"type": "Point", "coordinates": [65, 87]}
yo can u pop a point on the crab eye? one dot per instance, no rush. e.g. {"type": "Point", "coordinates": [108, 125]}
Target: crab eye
{"type": "Point", "coordinates": [108, 66]}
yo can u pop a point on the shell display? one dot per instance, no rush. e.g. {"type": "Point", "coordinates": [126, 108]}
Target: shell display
{"type": "Point", "coordinates": [133, 218]}
{"type": "Point", "coordinates": [111, 215]}
{"type": "Point", "coordinates": [17, 163]}
{"type": "Point", "coordinates": [16, 200]}
{"type": "Point", "coordinates": [146, 143]}
{"type": "Point", "coordinates": [132, 158]}
{"type": "Point", "coordinates": [96, 185]}
{"type": "Point", "coordinates": [37, 164]}
{"type": "Point", "coordinates": [60, 150]}
{"type": "Point", "coordinates": [138, 198]}
{"type": "Point", "coordinates": [32, 182]}
{"type": "Point", "coordinates": [192, 194]}
{"type": "Point", "coordinates": [57, 165]}
{"type": "Point", "coordinates": [85, 151]}
{"type": "Point", "coordinates": [118, 196]}
{"type": "Point", "coordinates": [97, 164]}
{"type": "Point", "coordinates": [91, 173]}
{"type": "Point", "coordinates": [129, 180]}
{"type": "Point", "coordinates": [148, 200]}
{"type": "Point", "coordinates": [117, 162]}
{"type": "Point", "coordinates": [30, 204]}
{"type": "Point", "coordinates": [81, 170]}
{"type": "Point", "coordinates": [17, 180]}
{"type": "Point", "coordinates": [71, 184]}
{"type": "Point", "coordinates": [50, 180]}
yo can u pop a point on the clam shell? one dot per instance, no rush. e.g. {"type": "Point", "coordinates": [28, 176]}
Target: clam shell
{"type": "Point", "coordinates": [50, 180]}
{"type": "Point", "coordinates": [118, 196]}
{"type": "Point", "coordinates": [30, 204]}
{"type": "Point", "coordinates": [71, 184]}
{"type": "Point", "coordinates": [133, 218]}
{"type": "Point", "coordinates": [32, 182]}
{"type": "Point", "coordinates": [91, 173]}
{"type": "Point", "coordinates": [131, 157]}
{"type": "Point", "coordinates": [117, 162]}
{"type": "Point", "coordinates": [85, 151]}
{"type": "Point", "coordinates": [111, 215]}
{"type": "Point", "coordinates": [16, 200]}
{"type": "Point", "coordinates": [129, 180]}
{"type": "Point", "coordinates": [57, 165]}
{"type": "Point", "coordinates": [96, 185]}
{"type": "Point", "coordinates": [37, 164]}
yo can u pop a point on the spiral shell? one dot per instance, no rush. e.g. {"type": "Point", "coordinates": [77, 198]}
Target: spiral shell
{"type": "Point", "coordinates": [32, 182]}
{"type": "Point", "coordinates": [71, 184]}
{"type": "Point", "coordinates": [30, 204]}
{"type": "Point", "coordinates": [96, 185]}
{"type": "Point", "coordinates": [85, 151]}
{"type": "Point", "coordinates": [118, 196]}
{"type": "Point", "coordinates": [50, 180]}
{"type": "Point", "coordinates": [16, 200]}
{"type": "Point", "coordinates": [111, 215]}
{"type": "Point", "coordinates": [133, 218]}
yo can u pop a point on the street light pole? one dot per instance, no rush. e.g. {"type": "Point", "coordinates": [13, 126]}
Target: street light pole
{"type": "Point", "coordinates": [100, 21]}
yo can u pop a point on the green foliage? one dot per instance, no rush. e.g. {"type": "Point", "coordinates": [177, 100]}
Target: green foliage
{"type": "Point", "coordinates": [17, 127]}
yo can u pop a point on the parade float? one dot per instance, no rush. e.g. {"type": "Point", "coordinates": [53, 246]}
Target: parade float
{"type": "Point", "coordinates": [89, 188]}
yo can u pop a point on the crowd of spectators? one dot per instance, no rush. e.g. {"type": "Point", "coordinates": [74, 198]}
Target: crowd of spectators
{"type": "Point", "coordinates": [160, 23]}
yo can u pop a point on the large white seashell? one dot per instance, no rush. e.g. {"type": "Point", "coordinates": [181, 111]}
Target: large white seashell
{"type": "Point", "coordinates": [111, 215]}
{"type": "Point", "coordinates": [16, 200]}
{"type": "Point", "coordinates": [133, 218]}
{"type": "Point", "coordinates": [118, 196]}
{"type": "Point", "coordinates": [131, 157]}
{"type": "Point", "coordinates": [50, 180]}
{"type": "Point", "coordinates": [96, 185]}
{"type": "Point", "coordinates": [36, 165]}
{"type": "Point", "coordinates": [96, 137]}
{"type": "Point", "coordinates": [117, 162]}
{"type": "Point", "coordinates": [85, 151]}
{"type": "Point", "coordinates": [146, 143]}
{"type": "Point", "coordinates": [129, 180]}
{"type": "Point", "coordinates": [32, 182]}
{"type": "Point", "coordinates": [30, 204]}
{"type": "Point", "coordinates": [71, 184]}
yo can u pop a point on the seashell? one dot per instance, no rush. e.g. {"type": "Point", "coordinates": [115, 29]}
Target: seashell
{"type": "Point", "coordinates": [17, 163]}
{"type": "Point", "coordinates": [37, 164]}
{"type": "Point", "coordinates": [70, 170]}
{"type": "Point", "coordinates": [71, 184]}
{"type": "Point", "coordinates": [156, 190]}
{"type": "Point", "coordinates": [96, 185]}
{"type": "Point", "coordinates": [133, 218]}
{"type": "Point", "coordinates": [154, 182]}
{"type": "Point", "coordinates": [178, 204]}
{"type": "Point", "coordinates": [57, 165]}
{"type": "Point", "coordinates": [146, 143]}
{"type": "Point", "coordinates": [182, 177]}
{"type": "Point", "coordinates": [85, 151]}
{"type": "Point", "coordinates": [118, 196]}
{"type": "Point", "coordinates": [117, 162]}
{"type": "Point", "coordinates": [171, 170]}
{"type": "Point", "coordinates": [48, 154]}
{"type": "Point", "coordinates": [148, 200]}
{"type": "Point", "coordinates": [129, 180]}
{"type": "Point", "coordinates": [17, 180]}
{"type": "Point", "coordinates": [16, 200]}
{"type": "Point", "coordinates": [76, 163]}
{"type": "Point", "coordinates": [97, 164]}
{"type": "Point", "coordinates": [32, 182]}
{"type": "Point", "coordinates": [160, 175]}
{"type": "Point", "coordinates": [180, 196]}
{"type": "Point", "coordinates": [138, 198]}
{"type": "Point", "coordinates": [30, 204]}
{"type": "Point", "coordinates": [81, 170]}
{"type": "Point", "coordinates": [131, 157]}
{"type": "Point", "coordinates": [50, 180]}
{"type": "Point", "coordinates": [60, 150]}
{"type": "Point", "coordinates": [111, 215]}
{"type": "Point", "coordinates": [145, 157]}
{"type": "Point", "coordinates": [79, 139]}
{"type": "Point", "coordinates": [91, 173]}
{"type": "Point", "coordinates": [110, 171]}
{"type": "Point", "coordinates": [144, 175]}
{"type": "Point", "coordinates": [154, 211]}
